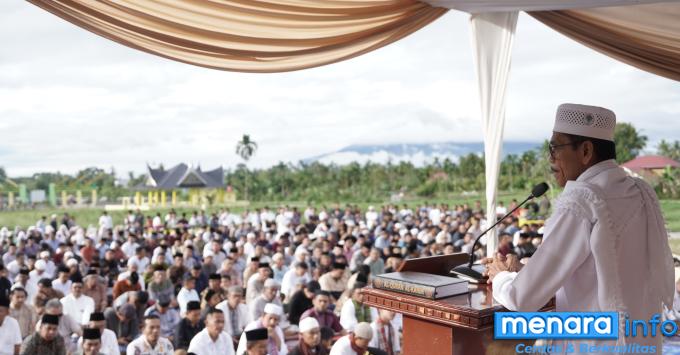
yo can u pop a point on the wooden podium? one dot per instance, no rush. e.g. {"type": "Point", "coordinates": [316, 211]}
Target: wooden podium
{"type": "Point", "coordinates": [457, 325]}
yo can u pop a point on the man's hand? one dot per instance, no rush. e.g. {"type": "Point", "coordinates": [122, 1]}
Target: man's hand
{"type": "Point", "coordinates": [501, 263]}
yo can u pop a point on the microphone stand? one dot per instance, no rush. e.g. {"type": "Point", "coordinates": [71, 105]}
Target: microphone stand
{"type": "Point", "coordinates": [468, 272]}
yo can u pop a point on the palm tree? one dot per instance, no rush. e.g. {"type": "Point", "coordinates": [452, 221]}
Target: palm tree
{"type": "Point", "coordinates": [246, 148]}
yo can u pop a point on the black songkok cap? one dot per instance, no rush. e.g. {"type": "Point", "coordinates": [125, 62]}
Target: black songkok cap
{"type": "Point", "coordinates": [50, 319]}
{"type": "Point", "coordinates": [96, 316]}
{"type": "Point", "coordinates": [337, 265]}
{"type": "Point", "coordinates": [91, 333]}
{"type": "Point", "coordinates": [257, 334]}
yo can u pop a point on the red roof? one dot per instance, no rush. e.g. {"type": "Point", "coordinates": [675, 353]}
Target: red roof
{"type": "Point", "coordinates": [650, 162]}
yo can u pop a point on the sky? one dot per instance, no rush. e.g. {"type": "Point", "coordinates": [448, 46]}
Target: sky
{"type": "Point", "coordinates": [70, 99]}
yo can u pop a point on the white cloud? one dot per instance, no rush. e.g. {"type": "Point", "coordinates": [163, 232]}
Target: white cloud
{"type": "Point", "coordinates": [70, 99]}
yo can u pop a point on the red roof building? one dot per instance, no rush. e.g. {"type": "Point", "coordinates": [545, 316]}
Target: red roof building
{"type": "Point", "coordinates": [654, 164]}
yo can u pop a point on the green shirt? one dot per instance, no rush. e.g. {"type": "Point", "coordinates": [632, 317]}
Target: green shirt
{"type": "Point", "coordinates": [35, 344]}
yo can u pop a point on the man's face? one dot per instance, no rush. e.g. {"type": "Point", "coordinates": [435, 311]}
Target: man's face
{"type": "Point", "coordinates": [312, 337]}
{"type": "Point", "coordinates": [91, 346]}
{"type": "Point", "coordinates": [270, 320]}
{"type": "Point", "coordinates": [227, 265]}
{"type": "Point", "coordinates": [214, 284]}
{"type": "Point", "coordinates": [233, 299]}
{"type": "Point", "coordinates": [158, 276]}
{"type": "Point", "coordinates": [77, 289]}
{"type": "Point", "coordinates": [269, 292]}
{"type": "Point", "coordinates": [567, 163]}
{"type": "Point", "coordinates": [321, 303]}
{"type": "Point", "coordinates": [18, 299]}
{"type": "Point", "coordinates": [48, 331]}
{"type": "Point", "coordinates": [91, 281]}
{"type": "Point", "coordinates": [259, 348]}
{"type": "Point", "coordinates": [215, 323]}
{"type": "Point", "coordinates": [194, 316]}
{"type": "Point", "coordinates": [356, 295]}
{"type": "Point", "coordinates": [361, 342]}
{"type": "Point", "coordinates": [152, 330]}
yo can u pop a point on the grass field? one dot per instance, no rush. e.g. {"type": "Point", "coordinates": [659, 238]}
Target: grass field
{"type": "Point", "coordinates": [87, 215]}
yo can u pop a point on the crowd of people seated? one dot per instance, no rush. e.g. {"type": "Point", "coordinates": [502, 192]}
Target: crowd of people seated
{"type": "Point", "coordinates": [284, 281]}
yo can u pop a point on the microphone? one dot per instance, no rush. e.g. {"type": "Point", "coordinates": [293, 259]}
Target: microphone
{"type": "Point", "coordinates": [474, 275]}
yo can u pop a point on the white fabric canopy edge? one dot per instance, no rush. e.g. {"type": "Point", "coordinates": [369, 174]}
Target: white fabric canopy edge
{"type": "Point", "coordinates": [492, 38]}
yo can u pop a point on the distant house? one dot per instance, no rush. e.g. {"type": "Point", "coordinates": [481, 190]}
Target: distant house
{"type": "Point", "coordinates": [650, 166]}
{"type": "Point", "coordinates": [183, 176]}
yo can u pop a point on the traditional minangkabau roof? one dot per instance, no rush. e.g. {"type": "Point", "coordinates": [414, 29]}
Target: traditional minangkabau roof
{"type": "Point", "coordinates": [184, 176]}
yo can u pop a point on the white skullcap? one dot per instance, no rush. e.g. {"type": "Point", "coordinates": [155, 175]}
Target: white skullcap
{"type": "Point", "coordinates": [363, 330]}
{"type": "Point", "coordinates": [271, 308]}
{"type": "Point", "coordinates": [271, 283]}
{"type": "Point", "coordinates": [308, 324]}
{"type": "Point", "coordinates": [44, 254]}
{"type": "Point", "coordinates": [208, 253]}
{"type": "Point", "coordinates": [250, 235]}
{"type": "Point", "coordinates": [71, 262]}
{"type": "Point", "coordinates": [277, 256]}
{"type": "Point", "coordinates": [68, 255]}
{"type": "Point", "coordinates": [586, 121]}
{"type": "Point", "coordinates": [40, 265]}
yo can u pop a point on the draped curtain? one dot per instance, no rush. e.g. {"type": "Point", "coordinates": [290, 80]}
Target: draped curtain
{"type": "Point", "coordinates": [249, 35]}
{"type": "Point", "coordinates": [644, 36]}
{"type": "Point", "coordinates": [492, 37]}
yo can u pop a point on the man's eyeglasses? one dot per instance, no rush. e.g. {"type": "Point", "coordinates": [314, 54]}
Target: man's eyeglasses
{"type": "Point", "coordinates": [553, 147]}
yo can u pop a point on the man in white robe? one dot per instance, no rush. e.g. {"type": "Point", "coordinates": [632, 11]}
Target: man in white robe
{"type": "Point", "coordinates": [76, 304]}
{"type": "Point", "coordinates": [212, 340]}
{"type": "Point", "coordinates": [269, 320]}
{"type": "Point", "coordinates": [605, 247]}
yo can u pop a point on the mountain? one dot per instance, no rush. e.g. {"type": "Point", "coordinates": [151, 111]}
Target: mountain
{"type": "Point", "coordinates": [418, 154]}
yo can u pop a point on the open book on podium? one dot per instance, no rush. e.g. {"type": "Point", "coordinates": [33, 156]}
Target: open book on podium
{"type": "Point", "coordinates": [428, 277]}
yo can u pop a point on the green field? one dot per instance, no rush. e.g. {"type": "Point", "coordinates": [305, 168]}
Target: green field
{"type": "Point", "coordinates": [87, 215]}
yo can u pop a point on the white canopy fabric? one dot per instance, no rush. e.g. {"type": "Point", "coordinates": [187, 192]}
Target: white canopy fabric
{"type": "Point", "coordinates": [492, 38]}
{"type": "Point", "coordinates": [477, 6]}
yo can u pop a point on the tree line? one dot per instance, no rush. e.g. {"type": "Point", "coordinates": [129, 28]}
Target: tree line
{"type": "Point", "coordinates": [318, 182]}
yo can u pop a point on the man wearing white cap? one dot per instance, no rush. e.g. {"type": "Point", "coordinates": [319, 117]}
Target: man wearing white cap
{"type": "Point", "coordinates": [354, 343]}
{"type": "Point", "coordinates": [310, 338]}
{"type": "Point", "coordinates": [270, 319]}
{"type": "Point", "coordinates": [50, 268]}
{"type": "Point", "coordinates": [268, 295]}
{"type": "Point", "coordinates": [605, 247]}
